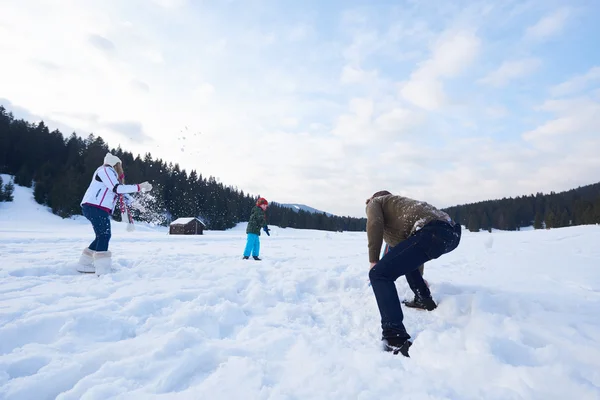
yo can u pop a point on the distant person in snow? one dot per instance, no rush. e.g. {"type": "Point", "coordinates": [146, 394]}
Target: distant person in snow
{"type": "Point", "coordinates": [257, 221]}
{"type": "Point", "coordinates": [97, 205]}
{"type": "Point", "coordinates": [423, 233]}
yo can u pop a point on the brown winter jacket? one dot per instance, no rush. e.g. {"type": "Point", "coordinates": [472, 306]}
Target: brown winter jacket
{"type": "Point", "coordinates": [394, 218]}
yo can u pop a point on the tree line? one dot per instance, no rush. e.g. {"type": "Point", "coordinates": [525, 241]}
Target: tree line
{"type": "Point", "coordinates": [580, 206]}
{"type": "Point", "coordinates": [60, 169]}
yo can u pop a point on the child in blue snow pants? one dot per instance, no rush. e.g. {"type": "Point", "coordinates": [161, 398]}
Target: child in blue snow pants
{"type": "Point", "coordinates": [257, 221]}
{"type": "Point", "coordinates": [252, 245]}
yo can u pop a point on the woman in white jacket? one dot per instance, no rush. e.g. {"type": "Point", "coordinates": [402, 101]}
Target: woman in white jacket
{"type": "Point", "coordinates": [97, 205]}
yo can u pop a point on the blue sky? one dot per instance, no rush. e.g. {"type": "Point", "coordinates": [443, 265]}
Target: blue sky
{"type": "Point", "coordinates": [323, 102]}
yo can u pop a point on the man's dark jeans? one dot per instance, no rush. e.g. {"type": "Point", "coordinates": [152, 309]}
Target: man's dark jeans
{"type": "Point", "coordinates": [100, 220]}
{"type": "Point", "coordinates": [428, 243]}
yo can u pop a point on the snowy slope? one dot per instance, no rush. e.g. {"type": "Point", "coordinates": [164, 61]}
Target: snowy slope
{"type": "Point", "coordinates": [186, 318]}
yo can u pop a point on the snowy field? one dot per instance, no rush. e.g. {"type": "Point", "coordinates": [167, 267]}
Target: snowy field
{"type": "Point", "coordinates": [187, 318]}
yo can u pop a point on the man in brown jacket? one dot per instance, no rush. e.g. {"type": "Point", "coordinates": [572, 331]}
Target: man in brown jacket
{"type": "Point", "coordinates": [422, 233]}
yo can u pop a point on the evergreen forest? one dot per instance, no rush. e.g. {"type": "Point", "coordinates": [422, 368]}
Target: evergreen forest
{"type": "Point", "coordinates": [59, 169]}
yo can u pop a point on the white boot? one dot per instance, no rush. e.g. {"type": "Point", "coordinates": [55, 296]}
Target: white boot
{"type": "Point", "coordinates": [103, 262]}
{"type": "Point", "coordinates": [86, 261]}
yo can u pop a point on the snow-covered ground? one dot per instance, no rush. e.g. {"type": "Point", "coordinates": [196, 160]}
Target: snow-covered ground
{"type": "Point", "coordinates": [184, 317]}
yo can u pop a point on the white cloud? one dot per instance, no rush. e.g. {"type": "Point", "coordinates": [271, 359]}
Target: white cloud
{"type": "Point", "coordinates": [575, 118]}
{"type": "Point", "coordinates": [289, 122]}
{"type": "Point", "coordinates": [426, 93]}
{"type": "Point", "coordinates": [577, 83]}
{"type": "Point", "coordinates": [451, 54]}
{"type": "Point", "coordinates": [171, 4]}
{"type": "Point", "coordinates": [153, 55]}
{"type": "Point", "coordinates": [482, 169]}
{"type": "Point", "coordinates": [496, 112]}
{"type": "Point", "coordinates": [139, 85]}
{"type": "Point", "coordinates": [398, 120]}
{"type": "Point", "coordinates": [101, 43]}
{"type": "Point", "coordinates": [363, 44]}
{"type": "Point", "coordinates": [549, 25]}
{"type": "Point", "coordinates": [356, 75]}
{"type": "Point", "coordinates": [290, 110]}
{"type": "Point", "coordinates": [511, 70]}
{"type": "Point", "coordinates": [203, 93]}
{"type": "Point", "coordinates": [353, 127]}
{"type": "Point", "coordinates": [300, 32]}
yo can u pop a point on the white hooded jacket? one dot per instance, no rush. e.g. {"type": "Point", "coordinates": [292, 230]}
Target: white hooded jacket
{"type": "Point", "coordinates": [104, 190]}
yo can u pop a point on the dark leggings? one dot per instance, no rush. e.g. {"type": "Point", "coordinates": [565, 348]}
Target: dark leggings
{"type": "Point", "coordinates": [100, 220]}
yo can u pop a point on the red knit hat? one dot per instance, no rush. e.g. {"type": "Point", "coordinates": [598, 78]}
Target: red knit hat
{"type": "Point", "coordinates": [261, 201]}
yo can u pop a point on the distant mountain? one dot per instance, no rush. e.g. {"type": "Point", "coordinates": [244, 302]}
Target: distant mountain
{"type": "Point", "coordinates": [298, 207]}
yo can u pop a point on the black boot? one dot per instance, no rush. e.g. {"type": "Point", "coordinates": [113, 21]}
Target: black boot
{"type": "Point", "coordinates": [256, 258]}
{"type": "Point", "coordinates": [397, 345]}
{"type": "Point", "coordinates": [422, 303]}
{"type": "Point", "coordinates": [246, 257]}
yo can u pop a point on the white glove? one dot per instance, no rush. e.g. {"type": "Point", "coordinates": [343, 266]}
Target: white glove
{"type": "Point", "coordinates": [145, 187]}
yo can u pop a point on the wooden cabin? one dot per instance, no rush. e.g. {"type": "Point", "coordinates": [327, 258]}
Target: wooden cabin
{"type": "Point", "coordinates": [186, 226]}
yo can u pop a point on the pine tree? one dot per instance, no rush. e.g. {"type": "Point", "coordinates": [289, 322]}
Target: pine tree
{"type": "Point", "coordinates": [64, 197]}
{"type": "Point", "coordinates": [473, 225]}
{"type": "Point", "coordinates": [485, 222]}
{"type": "Point", "coordinates": [550, 220]}
{"type": "Point", "coordinates": [564, 219]}
{"type": "Point", "coordinates": [40, 193]}
{"type": "Point", "coordinates": [537, 223]}
{"type": "Point", "coordinates": [596, 212]}
{"type": "Point", "coordinates": [24, 177]}
{"type": "Point", "coordinates": [9, 189]}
